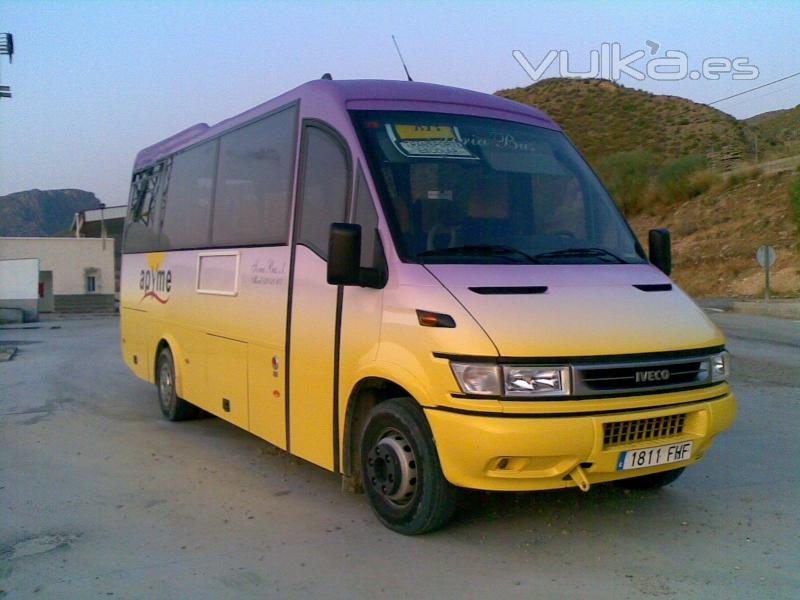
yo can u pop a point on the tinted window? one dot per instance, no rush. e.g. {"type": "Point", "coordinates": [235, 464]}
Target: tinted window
{"type": "Point", "coordinates": [464, 189]}
{"type": "Point", "coordinates": [251, 205]}
{"type": "Point", "coordinates": [188, 207]}
{"type": "Point", "coordinates": [366, 216]}
{"type": "Point", "coordinates": [144, 209]}
{"type": "Point", "coordinates": [324, 198]}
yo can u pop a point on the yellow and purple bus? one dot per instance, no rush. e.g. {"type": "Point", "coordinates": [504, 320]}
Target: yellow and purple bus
{"type": "Point", "coordinates": [418, 287]}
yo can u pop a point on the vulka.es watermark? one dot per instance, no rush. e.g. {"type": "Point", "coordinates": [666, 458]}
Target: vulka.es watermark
{"type": "Point", "coordinates": [609, 63]}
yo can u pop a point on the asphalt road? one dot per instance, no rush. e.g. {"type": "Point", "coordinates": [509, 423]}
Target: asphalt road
{"type": "Point", "coordinates": [100, 498]}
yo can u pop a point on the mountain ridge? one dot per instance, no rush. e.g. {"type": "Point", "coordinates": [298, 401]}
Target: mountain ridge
{"type": "Point", "coordinates": [42, 213]}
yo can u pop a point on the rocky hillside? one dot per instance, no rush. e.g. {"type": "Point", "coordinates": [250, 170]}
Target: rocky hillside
{"type": "Point", "coordinates": [778, 130]}
{"type": "Point", "coordinates": [603, 117]}
{"type": "Point", "coordinates": [721, 208]}
{"type": "Point", "coordinates": [42, 212]}
{"type": "Point", "coordinates": [715, 237]}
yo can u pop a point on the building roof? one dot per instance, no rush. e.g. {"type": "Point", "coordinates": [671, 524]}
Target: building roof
{"type": "Point", "coordinates": [104, 214]}
{"type": "Point", "coordinates": [356, 94]}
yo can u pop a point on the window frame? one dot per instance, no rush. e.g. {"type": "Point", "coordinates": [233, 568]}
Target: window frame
{"type": "Point", "coordinates": [216, 138]}
{"type": "Point", "coordinates": [292, 173]}
{"type": "Point", "coordinates": [158, 173]}
{"type": "Point", "coordinates": [162, 246]}
{"type": "Point", "coordinates": [374, 168]}
{"type": "Point", "coordinates": [299, 195]}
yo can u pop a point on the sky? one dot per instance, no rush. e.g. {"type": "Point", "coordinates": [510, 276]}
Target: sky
{"type": "Point", "coordinates": [93, 82]}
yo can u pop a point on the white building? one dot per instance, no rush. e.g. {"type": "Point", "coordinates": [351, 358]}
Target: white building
{"type": "Point", "coordinates": [75, 274]}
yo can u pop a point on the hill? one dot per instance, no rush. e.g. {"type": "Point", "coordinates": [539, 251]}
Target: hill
{"type": "Point", "coordinates": [671, 162]}
{"type": "Point", "coordinates": [715, 236]}
{"type": "Point", "coordinates": [778, 129]}
{"type": "Point", "coordinates": [603, 118]}
{"type": "Point", "coordinates": [42, 212]}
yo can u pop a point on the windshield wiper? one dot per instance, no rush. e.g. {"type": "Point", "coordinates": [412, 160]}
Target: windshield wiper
{"type": "Point", "coordinates": [600, 253]}
{"type": "Point", "coordinates": [480, 250]}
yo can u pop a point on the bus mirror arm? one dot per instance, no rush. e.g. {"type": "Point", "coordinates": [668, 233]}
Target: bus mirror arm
{"type": "Point", "coordinates": [661, 249]}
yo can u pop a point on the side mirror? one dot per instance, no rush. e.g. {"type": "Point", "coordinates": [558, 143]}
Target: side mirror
{"type": "Point", "coordinates": [661, 249]}
{"type": "Point", "coordinates": [344, 254]}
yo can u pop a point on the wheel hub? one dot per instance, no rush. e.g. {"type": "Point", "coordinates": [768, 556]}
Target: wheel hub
{"type": "Point", "coordinates": [165, 383]}
{"type": "Point", "coordinates": [392, 468]}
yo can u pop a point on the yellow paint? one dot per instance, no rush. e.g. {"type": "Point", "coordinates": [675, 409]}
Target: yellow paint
{"type": "Point", "coordinates": [155, 260]}
{"type": "Point", "coordinates": [267, 407]}
{"type": "Point", "coordinates": [227, 380]}
{"type": "Point", "coordinates": [224, 346]}
{"type": "Point", "coordinates": [544, 450]}
{"type": "Point", "coordinates": [422, 132]}
{"type": "Point", "coordinates": [311, 360]}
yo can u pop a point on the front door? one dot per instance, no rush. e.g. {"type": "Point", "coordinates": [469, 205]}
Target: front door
{"type": "Point", "coordinates": [315, 306]}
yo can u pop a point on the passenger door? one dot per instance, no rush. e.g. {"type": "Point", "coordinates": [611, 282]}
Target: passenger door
{"type": "Point", "coordinates": [314, 305]}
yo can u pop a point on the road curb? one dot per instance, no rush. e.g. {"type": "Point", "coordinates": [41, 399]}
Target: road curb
{"type": "Point", "coordinates": [782, 310]}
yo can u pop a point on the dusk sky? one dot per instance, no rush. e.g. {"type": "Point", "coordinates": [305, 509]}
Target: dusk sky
{"type": "Point", "coordinates": [94, 82]}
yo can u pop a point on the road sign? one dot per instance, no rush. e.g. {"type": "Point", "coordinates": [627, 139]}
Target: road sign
{"type": "Point", "coordinates": [765, 255]}
{"type": "Point", "coordinates": [5, 91]}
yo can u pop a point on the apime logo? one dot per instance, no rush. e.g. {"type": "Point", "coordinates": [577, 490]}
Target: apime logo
{"type": "Point", "coordinates": [645, 376]}
{"type": "Point", "coordinates": [155, 282]}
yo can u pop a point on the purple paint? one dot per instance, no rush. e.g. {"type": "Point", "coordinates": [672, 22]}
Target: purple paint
{"type": "Point", "coordinates": [330, 100]}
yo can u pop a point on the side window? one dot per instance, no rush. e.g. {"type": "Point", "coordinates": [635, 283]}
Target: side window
{"type": "Point", "coordinates": [324, 194]}
{"type": "Point", "coordinates": [188, 204]}
{"type": "Point", "coordinates": [366, 216]}
{"type": "Point", "coordinates": [142, 225]}
{"type": "Point", "coordinates": [253, 190]}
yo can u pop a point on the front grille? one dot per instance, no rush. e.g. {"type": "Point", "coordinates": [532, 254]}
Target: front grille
{"type": "Point", "coordinates": [635, 377]}
{"type": "Point", "coordinates": [640, 430]}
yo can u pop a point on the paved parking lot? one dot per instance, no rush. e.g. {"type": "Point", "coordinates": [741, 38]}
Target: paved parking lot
{"type": "Point", "coordinates": [100, 498]}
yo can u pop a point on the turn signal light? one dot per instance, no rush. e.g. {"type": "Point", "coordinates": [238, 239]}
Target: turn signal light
{"type": "Point", "coordinates": [432, 319]}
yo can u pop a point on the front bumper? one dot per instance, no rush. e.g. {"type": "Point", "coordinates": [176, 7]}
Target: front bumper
{"type": "Point", "coordinates": [517, 452]}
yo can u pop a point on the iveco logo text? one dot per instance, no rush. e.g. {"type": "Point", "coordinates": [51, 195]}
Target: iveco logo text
{"type": "Point", "coordinates": [662, 375]}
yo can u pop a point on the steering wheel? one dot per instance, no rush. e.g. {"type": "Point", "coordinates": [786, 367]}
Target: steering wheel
{"type": "Point", "coordinates": [442, 228]}
{"type": "Point", "coordinates": [563, 233]}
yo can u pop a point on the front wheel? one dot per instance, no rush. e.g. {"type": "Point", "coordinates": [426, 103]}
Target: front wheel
{"type": "Point", "coordinates": [652, 481]}
{"type": "Point", "coordinates": [172, 407]}
{"type": "Point", "coordinates": [400, 470]}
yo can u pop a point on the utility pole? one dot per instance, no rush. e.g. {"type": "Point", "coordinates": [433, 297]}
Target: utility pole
{"type": "Point", "coordinates": [7, 48]}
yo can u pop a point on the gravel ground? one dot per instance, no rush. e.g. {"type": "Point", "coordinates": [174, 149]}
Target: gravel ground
{"type": "Point", "coordinates": [99, 498]}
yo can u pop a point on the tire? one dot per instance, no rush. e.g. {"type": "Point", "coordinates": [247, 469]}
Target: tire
{"type": "Point", "coordinates": [652, 481]}
{"type": "Point", "coordinates": [172, 407]}
{"type": "Point", "coordinates": [400, 470]}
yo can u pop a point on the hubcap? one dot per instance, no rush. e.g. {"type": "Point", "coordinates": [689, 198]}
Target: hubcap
{"type": "Point", "coordinates": [165, 384]}
{"type": "Point", "coordinates": [392, 467]}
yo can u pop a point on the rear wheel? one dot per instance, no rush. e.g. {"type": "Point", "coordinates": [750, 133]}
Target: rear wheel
{"type": "Point", "coordinates": [652, 481]}
{"type": "Point", "coordinates": [172, 407]}
{"type": "Point", "coordinates": [400, 470]}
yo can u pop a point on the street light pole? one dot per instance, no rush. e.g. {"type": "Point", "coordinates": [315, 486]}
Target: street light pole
{"type": "Point", "coordinates": [7, 48]}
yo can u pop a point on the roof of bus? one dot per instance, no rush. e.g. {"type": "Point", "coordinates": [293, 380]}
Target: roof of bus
{"type": "Point", "coordinates": [362, 94]}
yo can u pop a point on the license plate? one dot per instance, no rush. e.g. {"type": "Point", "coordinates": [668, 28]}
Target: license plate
{"type": "Point", "coordinates": [656, 455]}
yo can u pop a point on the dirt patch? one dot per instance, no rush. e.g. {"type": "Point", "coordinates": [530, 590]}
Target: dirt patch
{"type": "Point", "coordinates": [715, 237]}
{"type": "Point", "coordinates": [36, 545]}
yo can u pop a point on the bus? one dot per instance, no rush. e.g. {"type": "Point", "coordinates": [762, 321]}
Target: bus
{"type": "Point", "coordinates": [420, 288]}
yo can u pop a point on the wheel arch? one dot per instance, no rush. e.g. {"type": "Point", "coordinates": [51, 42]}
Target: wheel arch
{"type": "Point", "coordinates": [367, 393]}
{"type": "Point", "coordinates": [168, 341]}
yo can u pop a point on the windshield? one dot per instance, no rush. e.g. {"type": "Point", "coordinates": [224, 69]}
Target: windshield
{"type": "Point", "coordinates": [460, 189]}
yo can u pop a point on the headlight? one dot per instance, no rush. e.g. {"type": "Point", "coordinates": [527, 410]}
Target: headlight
{"type": "Point", "coordinates": [536, 381]}
{"type": "Point", "coordinates": [481, 379]}
{"type": "Point", "coordinates": [511, 380]}
{"type": "Point", "coordinates": [720, 367]}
